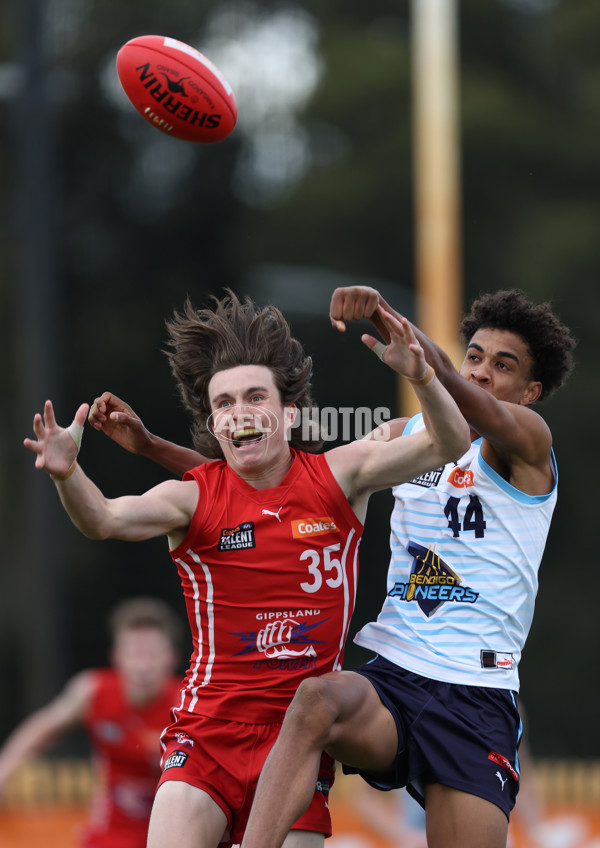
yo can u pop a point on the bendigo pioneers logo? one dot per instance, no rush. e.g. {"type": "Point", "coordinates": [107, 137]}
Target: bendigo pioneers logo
{"type": "Point", "coordinates": [305, 527]}
{"type": "Point", "coordinates": [432, 582]}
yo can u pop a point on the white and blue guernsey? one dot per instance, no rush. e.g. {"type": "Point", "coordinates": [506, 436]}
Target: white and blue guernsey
{"type": "Point", "coordinates": [466, 549]}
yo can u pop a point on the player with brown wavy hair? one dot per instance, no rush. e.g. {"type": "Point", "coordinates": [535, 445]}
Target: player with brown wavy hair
{"type": "Point", "coordinates": [265, 542]}
{"type": "Point", "coordinates": [234, 333]}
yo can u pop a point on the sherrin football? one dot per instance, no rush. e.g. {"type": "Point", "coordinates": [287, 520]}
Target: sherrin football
{"type": "Point", "coordinates": [176, 88]}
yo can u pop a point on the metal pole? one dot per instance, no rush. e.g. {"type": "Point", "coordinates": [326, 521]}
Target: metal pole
{"type": "Point", "coordinates": [438, 298]}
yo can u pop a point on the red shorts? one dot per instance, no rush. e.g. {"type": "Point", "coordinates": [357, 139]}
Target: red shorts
{"type": "Point", "coordinates": [225, 758]}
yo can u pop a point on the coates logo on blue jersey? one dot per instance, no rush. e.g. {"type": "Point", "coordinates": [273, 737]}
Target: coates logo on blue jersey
{"type": "Point", "coordinates": [432, 582]}
{"type": "Point", "coordinates": [287, 644]}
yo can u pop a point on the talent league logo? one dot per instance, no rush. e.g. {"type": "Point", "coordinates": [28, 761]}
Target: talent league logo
{"type": "Point", "coordinates": [237, 538]}
{"type": "Point", "coordinates": [432, 582]}
{"type": "Point", "coordinates": [429, 480]}
{"type": "Point", "coordinates": [175, 760]}
{"type": "Point", "coordinates": [457, 477]}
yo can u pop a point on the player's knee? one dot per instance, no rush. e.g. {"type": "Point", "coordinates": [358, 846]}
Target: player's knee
{"type": "Point", "coordinates": [313, 711]}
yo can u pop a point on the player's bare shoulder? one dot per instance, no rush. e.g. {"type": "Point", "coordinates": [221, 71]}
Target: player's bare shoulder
{"type": "Point", "coordinates": [524, 433]}
{"type": "Point", "coordinates": [183, 495]}
{"type": "Point", "coordinates": [345, 460]}
{"type": "Point", "coordinates": [522, 453]}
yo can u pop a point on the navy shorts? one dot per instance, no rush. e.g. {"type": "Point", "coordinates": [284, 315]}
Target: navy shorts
{"type": "Point", "coordinates": [465, 737]}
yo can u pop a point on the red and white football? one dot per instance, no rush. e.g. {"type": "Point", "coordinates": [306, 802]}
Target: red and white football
{"type": "Point", "coordinates": [176, 88]}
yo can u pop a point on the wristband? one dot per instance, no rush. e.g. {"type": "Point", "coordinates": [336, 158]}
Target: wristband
{"type": "Point", "coordinates": [424, 381]}
{"type": "Point", "coordinates": [60, 479]}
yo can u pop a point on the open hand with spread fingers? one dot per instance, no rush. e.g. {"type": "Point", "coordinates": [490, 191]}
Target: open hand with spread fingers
{"type": "Point", "coordinates": [56, 447]}
{"type": "Point", "coordinates": [403, 353]}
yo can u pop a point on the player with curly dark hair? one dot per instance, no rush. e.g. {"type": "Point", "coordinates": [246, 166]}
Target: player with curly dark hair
{"type": "Point", "coordinates": [549, 342]}
{"type": "Point", "coordinates": [436, 710]}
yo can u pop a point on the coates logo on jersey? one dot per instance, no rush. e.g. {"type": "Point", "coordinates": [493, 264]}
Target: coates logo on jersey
{"type": "Point", "coordinates": [306, 527]}
{"type": "Point", "coordinates": [237, 538]}
{"type": "Point", "coordinates": [461, 479]}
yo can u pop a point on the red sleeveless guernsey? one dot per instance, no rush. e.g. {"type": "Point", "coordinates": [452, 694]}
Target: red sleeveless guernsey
{"type": "Point", "coordinates": [269, 578]}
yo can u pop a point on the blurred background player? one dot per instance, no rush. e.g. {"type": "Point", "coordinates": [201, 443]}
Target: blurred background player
{"type": "Point", "coordinates": [124, 710]}
{"type": "Point", "coordinates": [393, 817]}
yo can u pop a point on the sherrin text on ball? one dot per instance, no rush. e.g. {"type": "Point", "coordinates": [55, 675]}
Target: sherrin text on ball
{"type": "Point", "coordinates": [177, 89]}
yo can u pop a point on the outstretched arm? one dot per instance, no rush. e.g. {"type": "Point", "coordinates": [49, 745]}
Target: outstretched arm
{"type": "Point", "coordinates": [119, 422]}
{"type": "Point", "coordinates": [46, 726]}
{"type": "Point", "coordinates": [164, 510]}
{"type": "Point", "coordinates": [365, 466]}
{"type": "Point", "coordinates": [355, 302]}
{"type": "Point", "coordinates": [517, 433]}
